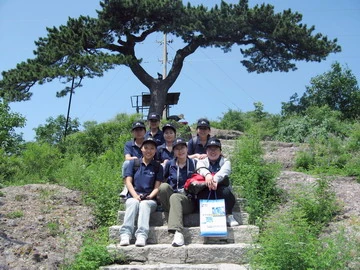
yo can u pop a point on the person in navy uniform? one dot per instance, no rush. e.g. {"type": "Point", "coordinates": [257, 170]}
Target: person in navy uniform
{"type": "Point", "coordinates": [132, 149]}
{"type": "Point", "coordinates": [154, 128]}
{"type": "Point", "coordinates": [143, 186]}
{"type": "Point", "coordinates": [197, 144]}
{"type": "Point", "coordinates": [172, 196]}
{"type": "Point", "coordinates": [165, 151]}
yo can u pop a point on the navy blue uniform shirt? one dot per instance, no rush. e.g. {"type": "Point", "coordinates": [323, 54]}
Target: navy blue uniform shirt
{"type": "Point", "coordinates": [162, 153]}
{"type": "Point", "coordinates": [159, 137]}
{"type": "Point", "coordinates": [145, 177]}
{"type": "Point", "coordinates": [177, 180]}
{"type": "Point", "coordinates": [132, 149]}
{"type": "Point", "coordinates": [196, 147]}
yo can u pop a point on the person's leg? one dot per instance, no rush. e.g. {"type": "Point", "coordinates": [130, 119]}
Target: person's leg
{"type": "Point", "coordinates": [146, 207]}
{"type": "Point", "coordinates": [124, 192]}
{"type": "Point", "coordinates": [127, 229]}
{"type": "Point", "coordinates": [165, 191]}
{"type": "Point", "coordinates": [180, 205]}
{"type": "Point", "coordinates": [224, 192]}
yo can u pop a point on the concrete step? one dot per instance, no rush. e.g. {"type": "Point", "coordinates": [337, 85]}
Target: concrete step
{"type": "Point", "coordinates": [169, 266]}
{"type": "Point", "coordinates": [159, 218]}
{"type": "Point", "coordinates": [188, 254]}
{"type": "Point", "coordinates": [160, 235]}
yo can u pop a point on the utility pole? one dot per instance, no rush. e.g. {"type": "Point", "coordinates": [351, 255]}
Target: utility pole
{"type": "Point", "coordinates": [69, 106]}
{"type": "Point", "coordinates": [165, 59]}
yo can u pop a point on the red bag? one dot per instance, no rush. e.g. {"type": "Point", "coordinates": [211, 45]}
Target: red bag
{"type": "Point", "coordinates": [195, 178]}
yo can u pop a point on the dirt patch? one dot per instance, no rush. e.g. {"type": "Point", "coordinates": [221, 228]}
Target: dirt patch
{"type": "Point", "coordinates": [41, 226]}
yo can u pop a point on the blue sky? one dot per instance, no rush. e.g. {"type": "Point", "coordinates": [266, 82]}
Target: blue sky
{"type": "Point", "coordinates": [211, 82]}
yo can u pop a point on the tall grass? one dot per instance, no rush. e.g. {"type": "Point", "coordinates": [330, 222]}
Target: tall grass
{"type": "Point", "coordinates": [291, 239]}
{"type": "Point", "coordinates": [254, 179]}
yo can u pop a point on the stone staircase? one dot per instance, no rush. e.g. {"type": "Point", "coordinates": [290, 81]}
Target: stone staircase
{"type": "Point", "coordinates": [198, 252]}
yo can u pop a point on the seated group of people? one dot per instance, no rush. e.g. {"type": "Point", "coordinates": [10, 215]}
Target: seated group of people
{"type": "Point", "coordinates": [157, 165]}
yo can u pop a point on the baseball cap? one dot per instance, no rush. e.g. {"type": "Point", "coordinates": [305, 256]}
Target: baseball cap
{"type": "Point", "coordinates": [179, 141]}
{"type": "Point", "coordinates": [203, 123]}
{"type": "Point", "coordinates": [154, 116]}
{"type": "Point", "coordinates": [213, 142]}
{"type": "Point", "coordinates": [149, 140]}
{"type": "Point", "coordinates": [169, 125]}
{"type": "Point", "coordinates": [138, 124]}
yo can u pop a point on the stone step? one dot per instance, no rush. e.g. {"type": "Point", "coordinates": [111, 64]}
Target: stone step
{"type": "Point", "coordinates": [159, 218]}
{"type": "Point", "coordinates": [188, 254]}
{"type": "Point", "coordinates": [168, 266]}
{"type": "Point", "coordinates": [160, 235]}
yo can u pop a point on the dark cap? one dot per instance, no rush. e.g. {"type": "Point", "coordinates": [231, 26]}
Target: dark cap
{"type": "Point", "coordinates": [203, 123]}
{"type": "Point", "coordinates": [169, 125]}
{"type": "Point", "coordinates": [138, 124]}
{"type": "Point", "coordinates": [179, 141]}
{"type": "Point", "coordinates": [154, 116]}
{"type": "Point", "coordinates": [149, 140]}
{"type": "Point", "coordinates": [213, 142]}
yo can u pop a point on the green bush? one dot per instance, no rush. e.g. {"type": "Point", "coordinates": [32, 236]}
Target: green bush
{"type": "Point", "coordinates": [9, 166]}
{"type": "Point", "coordinates": [38, 164]}
{"type": "Point", "coordinates": [254, 179]}
{"type": "Point", "coordinates": [318, 202]}
{"type": "Point", "coordinates": [290, 239]}
{"type": "Point", "coordinates": [286, 243]}
{"type": "Point", "coordinates": [96, 139]}
{"type": "Point", "coordinates": [353, 144]}
{"type": "Point", "coordinates": [316, 124]}
{"type": "Point", "coordinates": [329, 156]}
{"type": "Point", "coordinates": [352, 167]}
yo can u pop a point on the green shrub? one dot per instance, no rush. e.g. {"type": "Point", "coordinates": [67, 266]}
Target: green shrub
{"type": "Point", "coordinates": [15, 214]}
{"type": "Point", "coordinates": [94, 252]}
{"type": "Point", "coordinates": [286, 243]}
{"type": "Point", "coordinates": [91, 258]}
{"type": "Point", "coordinates": [38, 164]}
{"type": "Point", "coordinates": [318, 202]}
{"type": "Point", "coordinates": [100, 182]}
{"type": "Point", "coordinates": [96, 139]}
{"type": "Point", "coordinates": [352, 167]}
{"type": "Point", "coordinates": [254, 179]}
{"type": "Point", "coordinates": [290, 238]}
{"type": "Point", "coordinates": [304, 160]}
{"type": "Point", "coordinates": [353, 144]}
{"type": "Point", "coordinates": [232, 119]}
{"type": "Point", "coordinates": [9, 166]}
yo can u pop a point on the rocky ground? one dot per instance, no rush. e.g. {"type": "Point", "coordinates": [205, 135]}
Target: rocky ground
{"type": "Point", "coordinates": [41, 226]}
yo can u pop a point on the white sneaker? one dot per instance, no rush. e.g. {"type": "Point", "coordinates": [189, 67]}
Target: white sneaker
{"type": "Point", "coordinates": [140, 241]}
{"type": "Point", "coordinates": [125, 240]}
{"type": "Point", "coordinates": [178, 239]}
{"type": "Point", "coordinates": [231, 222]}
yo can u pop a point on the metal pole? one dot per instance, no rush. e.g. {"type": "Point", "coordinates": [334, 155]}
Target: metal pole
{"type": "Point", "coordinates": [165, 111]}
{"type": "Point", "coordinates": [69, 106]}
{"type": "Point", "coordinates": [165, 59]}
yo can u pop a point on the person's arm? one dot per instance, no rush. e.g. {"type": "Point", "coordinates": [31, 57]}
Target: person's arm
{"type": "Point", "coordinates": [128, 151]}
{"type": "Point", "coordinates": [224, 170]}
{"type": "Point", "coordinates": [202, 167]}
{"type": "Point", "coordinates": [129, 157]}
{"type": "Point", "coordinates": [155, 191]}
{"type": "Point", "coordinates": [159, 180]}
{"type": "Point", "coordinates": [129, 181]}
{"type": "Point", "coordinates": [131, 189]}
